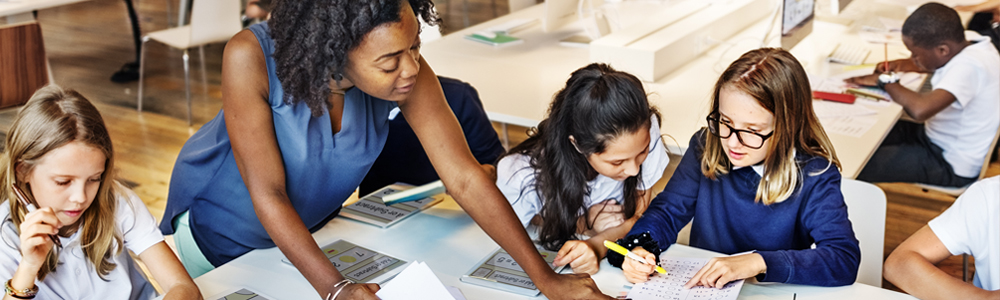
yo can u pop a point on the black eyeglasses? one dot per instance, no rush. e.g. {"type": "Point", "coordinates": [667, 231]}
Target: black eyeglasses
{"type": "Point", "coordinates": [748, 138]}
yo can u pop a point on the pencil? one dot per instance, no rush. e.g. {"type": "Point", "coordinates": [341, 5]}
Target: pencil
{"type": "Point", "coordinates": [30, 207]}
{"type": "Point", "coordinates": [885, 65]}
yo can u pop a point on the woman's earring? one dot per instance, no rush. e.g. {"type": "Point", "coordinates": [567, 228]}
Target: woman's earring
{"type": "Point", "coordinates": [338, 77]}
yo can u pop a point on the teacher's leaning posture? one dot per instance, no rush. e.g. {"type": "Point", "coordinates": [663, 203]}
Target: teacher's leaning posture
{"type": "Point", "coordinates": [306, 99]}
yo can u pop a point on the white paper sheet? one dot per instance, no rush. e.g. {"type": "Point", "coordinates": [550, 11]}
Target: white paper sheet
{"type": "Point", "coordinates": [828, 109]}
{"type": "Point", "coordinates": [416, 282]}
{"type": "Point", "coordinates": [854, 126]}
{"type": "Point", "coordinates": [671, 286]}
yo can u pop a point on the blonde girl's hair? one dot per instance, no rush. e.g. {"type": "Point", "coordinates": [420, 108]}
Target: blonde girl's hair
{"type": "Point", "coordinates": [52, 118]}
{"type": "Point", "coordinates": [779, 83]}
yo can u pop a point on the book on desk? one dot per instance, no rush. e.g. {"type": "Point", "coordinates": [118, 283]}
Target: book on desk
{"type": "Point", "coordinates": [371, 210]}
{"type": "Point", "coordinates": [500, 271]}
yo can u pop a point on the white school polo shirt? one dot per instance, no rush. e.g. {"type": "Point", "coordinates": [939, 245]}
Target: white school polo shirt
{"type": "Point", "coordinates": [75, 277]}
{"type": "Point", "coordinates": [516, 179]}
{"type": "Point", "coordinates": [972, 226]}
{"type": "Point", "coordinates": [966, 127]}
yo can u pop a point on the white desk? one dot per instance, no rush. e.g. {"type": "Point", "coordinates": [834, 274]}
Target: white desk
{"type": "Point", "coordinates": [451, 243]}
{"type": "Point", "coordinates": [516, 83]}
{"type": "Point", "coordinates": [17, 11]}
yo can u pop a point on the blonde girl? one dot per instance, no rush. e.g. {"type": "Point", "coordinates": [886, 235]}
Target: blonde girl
{"type": "Point", "coordinates": [59, 159]}
{"type": "Point", "coordinates": [763, 177]}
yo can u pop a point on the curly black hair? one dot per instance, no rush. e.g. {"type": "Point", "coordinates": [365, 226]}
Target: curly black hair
{"type": "Point", "coordinates": [312, 39]}
{"type": "Point", "coordinates": [933, 24]}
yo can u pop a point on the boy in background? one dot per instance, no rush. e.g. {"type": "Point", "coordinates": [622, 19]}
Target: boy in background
{"type": "Point", "coordinates": [959, 115]}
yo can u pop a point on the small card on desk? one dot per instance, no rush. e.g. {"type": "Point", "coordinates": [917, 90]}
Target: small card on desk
{"type": "Point", "coordinates": [370, 208]}
{"type": "Point", "coordinates": [360, 264]}
{"type": "Point", "coordinates": [495, 39]}
{"type": "Point", "coordinates": [500, 271]}
{"type": "Point", "coordinates": [240, 294]}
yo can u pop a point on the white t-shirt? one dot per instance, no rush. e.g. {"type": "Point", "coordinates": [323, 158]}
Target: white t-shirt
{"type": "Point", "coordinates": [966, 127]}
{"type": "Point", "coordinates": [972, 226]}
{"type": "Point", "coordinates": [516, 179]}
{"type": "Point", "coordinates": [75, 277]}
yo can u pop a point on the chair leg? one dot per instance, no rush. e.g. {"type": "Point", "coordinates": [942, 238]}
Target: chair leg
{"type": "Point", "coordinates": [204, 79]}
{"type": "Point", "coordinates": [142, 69]}
{"type": "Point", "coordinates": [187, 85]}
{"type": "Point", "coordinates": [465, 12]}
{"type": "Point", "coordinates": [965, 267]}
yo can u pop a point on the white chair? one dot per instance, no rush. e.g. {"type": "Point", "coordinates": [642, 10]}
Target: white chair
{"type": "Point", "coordinates": [866, 206]}
{"type": "Point", "coordinates": [957, 191]}
{"type": "Point", "coordinates": [212, 21]}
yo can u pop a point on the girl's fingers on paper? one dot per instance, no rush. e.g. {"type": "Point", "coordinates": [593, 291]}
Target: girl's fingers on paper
{"type": "Point", "coordinates": [699, 276]}
{"type": "Point", "coordinates": [634, 271]}
{"type": "Point", "coordinates": [582, 258]}
{"type": "Point", "coordinates": [562, 256]}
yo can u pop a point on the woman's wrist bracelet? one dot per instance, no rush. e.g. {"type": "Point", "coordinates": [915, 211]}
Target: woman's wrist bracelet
{"type": "Point", "coordinates": [340, 287]}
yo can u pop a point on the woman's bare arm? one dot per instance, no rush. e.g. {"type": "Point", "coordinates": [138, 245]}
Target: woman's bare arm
{"type": "Point", "coordinates": [250, 125]}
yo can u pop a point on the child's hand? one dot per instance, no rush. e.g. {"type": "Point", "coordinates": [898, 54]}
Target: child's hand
{"type": "Point", "coordinates": [580, 256]}
{"type": "Point", "coordinates": [35, 240]}
{"type": "Point", "coordinates": [865, 80]}
{"type": "Point", "coordinates": [721, 270]}
{"type": "Point", "coordinates": [635, 271]}
{"type": "Point", "coordinates": [606, 215]}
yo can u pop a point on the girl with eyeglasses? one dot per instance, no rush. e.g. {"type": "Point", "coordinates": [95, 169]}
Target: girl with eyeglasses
{"type": "Point", "coordinates": [584, 174]}
{"type": "Point", "coordinates": [762, 180]}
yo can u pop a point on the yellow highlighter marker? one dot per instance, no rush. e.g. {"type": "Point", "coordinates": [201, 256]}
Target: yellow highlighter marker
{"type": "Point", "coordinates": [621, 250]}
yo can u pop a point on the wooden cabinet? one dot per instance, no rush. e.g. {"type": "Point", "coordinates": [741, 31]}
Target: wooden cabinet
{"type": "Point", "coordinates": [22, 63]}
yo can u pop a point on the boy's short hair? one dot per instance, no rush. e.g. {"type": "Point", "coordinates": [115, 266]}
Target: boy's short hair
{"type": "Point", "coordinates": [933, 24]}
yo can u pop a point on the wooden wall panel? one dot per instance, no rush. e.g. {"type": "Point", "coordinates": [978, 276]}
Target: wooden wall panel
{"type": "Point", "coordinates": [22, 63]}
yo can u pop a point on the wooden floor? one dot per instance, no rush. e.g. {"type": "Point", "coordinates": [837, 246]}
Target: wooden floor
{"type": "Point", "coordinates": [88, 41]}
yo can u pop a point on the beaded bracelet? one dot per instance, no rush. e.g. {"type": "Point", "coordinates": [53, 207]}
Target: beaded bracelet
{"type": "Point", "coordinates": [28, 293]}
{"type": "Point", "coordinates": [340, 287]}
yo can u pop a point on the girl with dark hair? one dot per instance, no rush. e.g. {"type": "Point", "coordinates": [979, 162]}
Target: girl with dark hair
{"type": "Point", "coordinates": [306, 101]}
{"type": "Point", "coordinates": [588, 167]}
{"type": "Point", "coordinates": [763, 177]}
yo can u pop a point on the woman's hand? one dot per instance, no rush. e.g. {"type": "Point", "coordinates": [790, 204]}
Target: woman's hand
{"type": "Point", "coordinates": [580, 255]}
{"type": "Point", "coordinates": [360, 291]}
{"type": "Point", "coordinates": [35, 240]}
{"type": "Point", "coordinates": [721, 270]}
{"type": "Point", "coordinates": [571, 286]}
{"type": "Point", "coordinates": [635, 271]}
{"type": "Point", "coordinates": [605, 215]}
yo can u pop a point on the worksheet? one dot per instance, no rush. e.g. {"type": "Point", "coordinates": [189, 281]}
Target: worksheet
{"type": "Point", "coordinates": [671, 285]}
{"type": "Point", "coordinates": [240, 294]}
{"type": "Point", "coordinates": [360, 264]}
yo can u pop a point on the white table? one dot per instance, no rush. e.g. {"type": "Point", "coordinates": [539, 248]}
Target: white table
{"type": "Point", "coordinates": [17, 11]}
{"type": "Point", "coordinates": [447, 239]}
{"type": "Point", "coordinates": [516, 83]}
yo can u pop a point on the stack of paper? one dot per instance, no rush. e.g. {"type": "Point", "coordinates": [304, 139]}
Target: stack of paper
{"type": "Point", "coordinates": [418, 282]}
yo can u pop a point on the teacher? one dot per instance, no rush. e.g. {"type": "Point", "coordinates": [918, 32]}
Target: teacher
{"type": "Point", "coordinates": [305, 105]}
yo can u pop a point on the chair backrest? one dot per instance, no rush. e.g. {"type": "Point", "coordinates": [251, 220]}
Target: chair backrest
{"type": "Point", "coordinates": [989, 154]}
{"type": "Point", "coordinates": [214, 21]}
{"type": "Point", "coordinates": [866, 209]}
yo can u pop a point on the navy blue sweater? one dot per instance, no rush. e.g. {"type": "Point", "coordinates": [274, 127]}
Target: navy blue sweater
{"type": "Point", "coordinates": [727, 220]}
